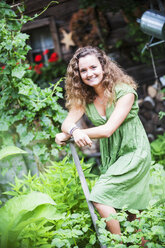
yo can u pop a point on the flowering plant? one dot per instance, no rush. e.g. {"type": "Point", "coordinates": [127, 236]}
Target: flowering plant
{"type": "Point", "coordinates": [45, 73]}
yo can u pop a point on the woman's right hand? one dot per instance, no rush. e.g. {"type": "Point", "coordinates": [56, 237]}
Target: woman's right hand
{"type": "Point", "coordinates": [81, 139]}
{"type": "Point", "coordinates": [61, 138]}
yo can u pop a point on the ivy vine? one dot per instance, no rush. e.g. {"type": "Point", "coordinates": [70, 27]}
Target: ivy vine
{"type": "Point", "coordinates": [32, 115]}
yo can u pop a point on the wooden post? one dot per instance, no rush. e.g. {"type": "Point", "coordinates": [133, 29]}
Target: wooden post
{"type": "Point", "coordinates": [54, 33]}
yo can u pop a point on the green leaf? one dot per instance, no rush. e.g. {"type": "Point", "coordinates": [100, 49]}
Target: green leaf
{"type": "Point", "coordinates": [18, 72]}
{"type": "Point", "coordinates": [92, 240]}
{"type": "Point", "coordinates": [42, 211]}
{"type": "Point", "coordinates": [25, 139]}
{"type": "Point", "coordinates": [45, 121]}
{"type": "Point", "coordinates": [160, 230]}
{"type": "Point", "coordinates": [21, 211]}
{"type": "Point", "coordinates": [77, 232]}
{"type": "Point", "coordinates": [58, 243]}
{"type": "Point", "coordinates": [13, 193]}
{"type": "Point", "coordinates": [39, 149]}
{"type": "Point", "coordinates": [21, 129]}
{"type": "Point", "coordinates": [24, 90]}
{"type": "Point", "coordinates": [85, 229]}
{"type": "Point", "coordinates": [10, 150]}
{"type": "Point", "coordinates": [130, 229]}
{"type": "Point", "coordinates": [4, 125]}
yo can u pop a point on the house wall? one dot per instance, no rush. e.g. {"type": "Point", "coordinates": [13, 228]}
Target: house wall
{"type": "Point", "coordinates": [58, 17]}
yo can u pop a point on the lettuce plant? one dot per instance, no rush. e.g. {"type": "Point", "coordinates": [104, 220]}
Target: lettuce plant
{"type": "Point", "coordinates": [21, 211]}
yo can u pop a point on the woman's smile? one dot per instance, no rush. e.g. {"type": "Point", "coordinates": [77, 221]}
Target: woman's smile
{"type": "Point", "coordinates": [91, 71]}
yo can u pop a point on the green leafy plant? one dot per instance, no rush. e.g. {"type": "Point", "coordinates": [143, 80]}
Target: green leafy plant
{"type": "Point", "coordinates": [149, 226]}
{"type": "Point", "coordinates": [10, 150]}
{"type": "Point", "coordinates": [21, 211]}
{"type": "Point", "coordinates": [30, 114]}
{"type": "Point", "coordinates": [75, 231]}
{"type": "Point", "coordinates": [157, 149]}
{"type": "Point", "coordinates": [140, 40]}
{"type": "Point", "coordinates": [157, 146]}
{"type": "Point", "coordinates": [45, 73]}
{"type": "Point", "coordinates": [157, 185]}
{"type": "Point", "coordinates": [61, 182]}
{"type": "Point", "coordinates": [162, 113]}
{"type": "Point", "coordinates": [72, 226]}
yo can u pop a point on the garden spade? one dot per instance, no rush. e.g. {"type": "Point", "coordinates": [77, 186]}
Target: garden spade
{"type": "Point", "coordinates": [85, 188]}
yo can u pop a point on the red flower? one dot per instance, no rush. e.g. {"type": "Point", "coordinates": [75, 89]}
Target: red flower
{"type": "Point", "coordinates": [53, 57]}
{"type": "Point", "coordinates": [38, 67]}
{"type": "Point", "coordinates": [17, 63]}
{"type": "Point", "coordinates": [38, 58]}
{"type": "Point", "coordinates": [30, 67]}
{"type": "Point", "coordinates": [3, 67]}
{"type": "Point", "coordinates": [45, 52]}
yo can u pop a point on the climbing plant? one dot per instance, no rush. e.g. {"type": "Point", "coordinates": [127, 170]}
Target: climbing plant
{"type": "Point", "coordinates": [30, 114]}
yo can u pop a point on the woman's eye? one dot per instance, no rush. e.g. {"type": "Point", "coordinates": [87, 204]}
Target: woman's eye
{"type": "Point", "coordinates": [93, 67]}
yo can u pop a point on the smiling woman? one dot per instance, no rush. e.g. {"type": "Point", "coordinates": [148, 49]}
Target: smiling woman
{"type": "Point", "coordinates": [91, 71]}
{"type": "Point", "coordinates": [97, 86]}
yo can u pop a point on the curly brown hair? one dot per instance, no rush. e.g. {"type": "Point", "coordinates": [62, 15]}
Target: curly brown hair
{"type": "Point", "coordinates": [78, 93]}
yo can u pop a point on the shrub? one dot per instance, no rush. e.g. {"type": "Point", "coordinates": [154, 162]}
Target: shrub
{"type": "Point", "coordinates": [72, 226]}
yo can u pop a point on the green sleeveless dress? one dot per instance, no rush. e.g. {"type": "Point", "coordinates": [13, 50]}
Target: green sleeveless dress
{"type": "Point", "coordinates": [126, 159]}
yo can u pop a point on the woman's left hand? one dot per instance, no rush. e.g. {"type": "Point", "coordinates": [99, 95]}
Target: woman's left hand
{"type": "Point", "coordinates": [81, 139]}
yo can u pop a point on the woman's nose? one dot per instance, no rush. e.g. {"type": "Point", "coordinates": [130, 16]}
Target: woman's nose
{"type": "Point", "coordinates": [89, 73]}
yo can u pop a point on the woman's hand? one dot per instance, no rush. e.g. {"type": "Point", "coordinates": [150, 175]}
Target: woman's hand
{"type": "Point", "coordinates": [61, 138]}
{"type": "Point", "coordinates": [81, 139]}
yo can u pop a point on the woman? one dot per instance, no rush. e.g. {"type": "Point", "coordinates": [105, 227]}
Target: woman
{"type": "Point", "coordinates": [95, 85]}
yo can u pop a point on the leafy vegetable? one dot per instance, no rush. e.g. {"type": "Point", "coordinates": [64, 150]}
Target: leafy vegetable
{"type": "Point", "coordinates": [21, 211]}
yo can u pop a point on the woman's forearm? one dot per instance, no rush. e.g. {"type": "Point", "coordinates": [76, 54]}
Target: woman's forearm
{"type": "Point", "coordinates": [99, 132]}
{"type": "Point", "coordinates": [67, 126]}
{"type": "Point", "coordinates": [73, 116]}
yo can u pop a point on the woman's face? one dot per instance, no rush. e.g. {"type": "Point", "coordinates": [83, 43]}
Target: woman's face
{"type": "Point", "coordinates": [91, 71]}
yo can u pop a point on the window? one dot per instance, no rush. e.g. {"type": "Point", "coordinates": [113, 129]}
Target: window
{"type": "Point", "coordinates": [40, 41]}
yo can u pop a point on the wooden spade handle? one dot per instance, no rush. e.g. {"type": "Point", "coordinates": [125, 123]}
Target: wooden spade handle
{"type": "Point", "coordinates": [85, 188]}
